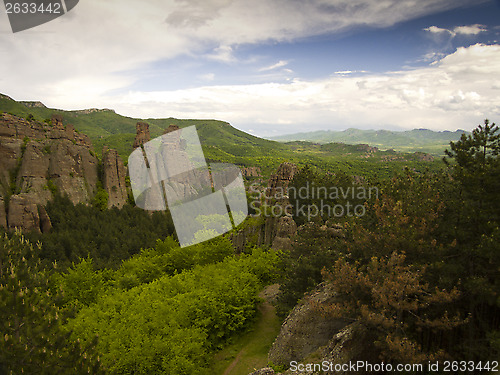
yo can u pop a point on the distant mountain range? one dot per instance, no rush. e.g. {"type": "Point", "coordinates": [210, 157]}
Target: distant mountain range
{"type": "Point", "coordinates": [423, 140]}
{"type": "Point", "coordinates": [222, 142]}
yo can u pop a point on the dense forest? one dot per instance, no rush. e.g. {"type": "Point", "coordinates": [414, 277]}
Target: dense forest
{"type": "Point", "coordinates": [111, 291]}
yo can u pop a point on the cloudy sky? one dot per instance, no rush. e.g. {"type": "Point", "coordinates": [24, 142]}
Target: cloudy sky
{"type": "Point", "coordinates": [268, 67]}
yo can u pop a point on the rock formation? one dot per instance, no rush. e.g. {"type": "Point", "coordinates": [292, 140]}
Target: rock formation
{"type": "Point", "coordinates": [142, 134]}
{"type": "Point", "coordinates": [278, 183]}
{"type": "Point", "coordinates": [308, 337]}
{"type": "Point", "coordinates": [251, 172]}
{"type": "Point", "coordinates": [285, 230]}
{"type": "Point", "coordinates": [114, 173]}
{"type": "Point", "coordinates": [37, 159]}
{"type": "Point", "coordinates": [23, 213]}
{"type": "Point", "coordinates": [273, 231]}
{"type": "Point", "coordinates": [171, 128]}
{"type": "Point", "coordinates": [305, 329]}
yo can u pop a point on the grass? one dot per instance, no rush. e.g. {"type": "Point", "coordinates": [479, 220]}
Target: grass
{"type": "Point", "coordinates": [249, 351]}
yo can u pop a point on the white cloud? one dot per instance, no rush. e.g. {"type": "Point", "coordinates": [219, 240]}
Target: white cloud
{"type": "Point", "coordinates": [223, 54]}
{"type": "Point", "coordinates": [279, 64]}
{"type": "Point", "coordinates": [437, 30]}
{"type": "Point", "coordinates": [464, 30]}
{"type": "Point", "coordinates": [457, 92]}
{"type": "Point", "coordinates": [207, 77]}
{"type": "Point", "coordinates": [101, 47]}
{"type": "Point", "coordinates": [470, 30]}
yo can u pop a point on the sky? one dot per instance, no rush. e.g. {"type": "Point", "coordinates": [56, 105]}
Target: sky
{"type": "Point", "coordinates": [268, 67]}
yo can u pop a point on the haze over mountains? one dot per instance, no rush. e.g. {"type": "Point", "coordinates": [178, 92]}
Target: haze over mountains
{"type": "Point", "coordinates": [423, 140]}
{"type": "Point", "coordinates": [105, 127]}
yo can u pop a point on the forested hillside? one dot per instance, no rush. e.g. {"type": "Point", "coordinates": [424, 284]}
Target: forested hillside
{"type": "Point", "coordinates": [423, 140]}
{"type": "Point", "coordinates": [373, 255]}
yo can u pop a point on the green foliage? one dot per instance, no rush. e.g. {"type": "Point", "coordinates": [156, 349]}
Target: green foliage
{"type": "Point", "coordinates": [80, 284]}
{"type": "Point", "coordinates": [171, 325]}
{"type": "Point", "coordinates": [167, 258]}
{"type": "Point", "coordinates": [392, 299]}
{"type": "Point", "coordinates": [100, 199]}
{"type": "Point", "coordinates": [108, 236]}
{"type": "Point", "coordinates": [423, 140]}
{"type": "Point", "coordinates": [32, 340]}
{"type": "Point", "coordinates": [52, 187]}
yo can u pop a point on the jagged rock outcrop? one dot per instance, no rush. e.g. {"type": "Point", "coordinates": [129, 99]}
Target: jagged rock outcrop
{"type": "Point", "coordinates": [285, 230]}
{"type": "Point", "coordinates": [114, 173]}
{"type": "Point", "coordinates": [142, 134]}
{"type": "Point", "coordinates": [349, 345]}
{"type": "Point", "coordinates": [35, 104]}
{"type": "Point", "coordinates": [250, 172]}
{"type": "Point", "coordinates": [37, 159]}
{"type": "Point", "coordinates": [42, 155]}
{"type": "Point", "coordinates": [305, 329]}
{"type": "Point", "coordinates": [275, 194]}
{"type": "Point", "coordinates": [278, 183]}
{"type": "Point", "coordinates": [93, 110]}
{"type": "Point", "coordinates": [307, 337]}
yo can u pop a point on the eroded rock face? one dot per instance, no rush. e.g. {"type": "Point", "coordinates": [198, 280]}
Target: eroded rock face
{"type": "Point", "coordinates": [114, 173]}
{"type": "Point", "coordinates": [23, 213]}
{"type": "Point", "coordinates": [285, 230]}
{"type": "Point", "coordinates": [307, 337]}
{"type": "Point", "coordinates": [348, 345]}
{"type": "Point", "coordinates": [142, 134]}
{"type": "Point", "coordinates": [278, 183]}
{"type": "Point", "coordinates": [305, 330]}
{"type": "Point", "coordinates": [38, 158]}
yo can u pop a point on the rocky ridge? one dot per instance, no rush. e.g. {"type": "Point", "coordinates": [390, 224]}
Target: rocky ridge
{"type": "Point", "coordinates": [37, 159]}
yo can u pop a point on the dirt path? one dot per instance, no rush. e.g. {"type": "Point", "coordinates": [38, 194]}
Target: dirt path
{"type": "Point", "coordinates": [268, 313]}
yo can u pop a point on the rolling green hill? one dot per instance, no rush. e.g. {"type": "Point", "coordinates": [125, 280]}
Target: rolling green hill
{"type": "Point", "coordinates": [422, 140]}
{"type": "Point", "coordinates": [223, 143]}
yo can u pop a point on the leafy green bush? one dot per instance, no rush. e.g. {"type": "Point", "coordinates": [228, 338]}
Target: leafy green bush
{"type": "Point", "coordinates": [172, 325]}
